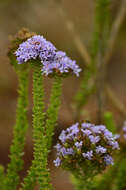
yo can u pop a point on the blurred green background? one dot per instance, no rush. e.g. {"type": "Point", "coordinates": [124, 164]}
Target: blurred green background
{"type": "Point", "coordinates": [44, 17]}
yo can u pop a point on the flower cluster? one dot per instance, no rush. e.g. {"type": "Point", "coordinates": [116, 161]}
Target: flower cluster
{"type": "Point", "coordinates": [53, 61]}
{"type": "Point", "coordinates": [85, 145]}
{"type": "Point", "coordinates": [60, 64]}
{"type": "Point", "coordinates": [35, 47]}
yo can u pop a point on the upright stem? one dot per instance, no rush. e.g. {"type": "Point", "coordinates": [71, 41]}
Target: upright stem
{"type": "Point", "coordinates": [86, 89]}
{"type": "Point", "coordinates": [16, 149]}
{"type": "Point", "coordinates": [53, 109]}
{"type": "Point", "coordinates": [97, 65]}
{"type": "Point", "coordinates": [30, 179]}
{"type": "Point", "coordinates": [39, 136]}
{"type": "Point", "coordinates": [101, 37]}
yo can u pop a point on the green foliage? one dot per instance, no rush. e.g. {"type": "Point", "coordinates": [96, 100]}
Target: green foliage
{"type": "Point", "coordinates": [109, 122]}
{"type": "Point", "coordinates": [121, 176]}
{"type": "Point", "coordinates": [81, 183]}
{"type": "Point", "coordinates": [53, 109]}
{"type": "Point", "coordinates": [106, 180]}
{"type": "Point", "coordinates": [2, 177]}
{"type": "Point", "coordinates": [16, 149]}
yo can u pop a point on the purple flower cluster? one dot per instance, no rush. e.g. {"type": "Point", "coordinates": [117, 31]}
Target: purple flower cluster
{"type": "Point", "coordinates": [53, 61]}
{"type": "Point", "coordinates": [86, 143]}
{"type": "Point", "coordinates": [35, 47]}
{"type": "Point", "coordinates": [60, 64]}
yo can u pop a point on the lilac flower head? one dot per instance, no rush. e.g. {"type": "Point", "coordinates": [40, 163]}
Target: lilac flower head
{"type": "Point", "coordinates": [53, 61]}
{"type": "Point", "coordinates": [85, 145]}
{"type": "Point", "coordinates": [35, 47]}
{"type": "Point", "coordinates": [60, 64]}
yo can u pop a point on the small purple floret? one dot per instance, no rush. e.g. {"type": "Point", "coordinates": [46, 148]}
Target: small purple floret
{"type": "Point", "coordinates": [108, 160]}
{"type": "Point", "coordinates": [93, 139]}
{"type": "Point", "coordinates": [100, 149]}
{"type": "Point", "coordinates": [57, 162]}
{"type": "Point", "coordinates": [88, 155]}
{"type": "Point", "coordinates": [78, 144]}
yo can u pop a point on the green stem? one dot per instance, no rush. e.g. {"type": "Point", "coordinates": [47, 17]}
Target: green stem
{"type": "Point", "coordinates": [30, 179]}
{"type": "Point", "coordinates": [97, 67]}
{"type": "Point", "coordinates": [2, 177]}
{"type": "Point", "coordinates": [16, 149]}
{"type": "Point", "coordinates": [53, 109]}
{"type": "Point", "coordinates": [86, 89]}
{"type": "Point", "coordinates": [100, 44]}
{"type": "Point", "coordinates": [40, 146]}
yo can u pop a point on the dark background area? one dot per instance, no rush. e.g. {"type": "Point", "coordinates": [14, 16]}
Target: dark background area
{"type": "Point", "coordinates": [43, 17]}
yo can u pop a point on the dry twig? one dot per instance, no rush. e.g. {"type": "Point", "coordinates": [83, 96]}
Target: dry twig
{"type": "Point", "coordinates": [115, 100]}
{"type": "Point", "coordinates": [115, 30]}
{"type": "Point", "coordinates": [76, 38]}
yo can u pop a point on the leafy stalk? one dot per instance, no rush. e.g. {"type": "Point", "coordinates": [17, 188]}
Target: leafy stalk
{"type": "Point", "coordinates": [40, 139]}
{"type": "Point", "coordinates": [30, 179]}
{"type": "Point", "coordinates": [16, 149]}
{"type": "Point", "coordinates": [52, 111]}
{"type": "Point", "coordinates": [38, 171]}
